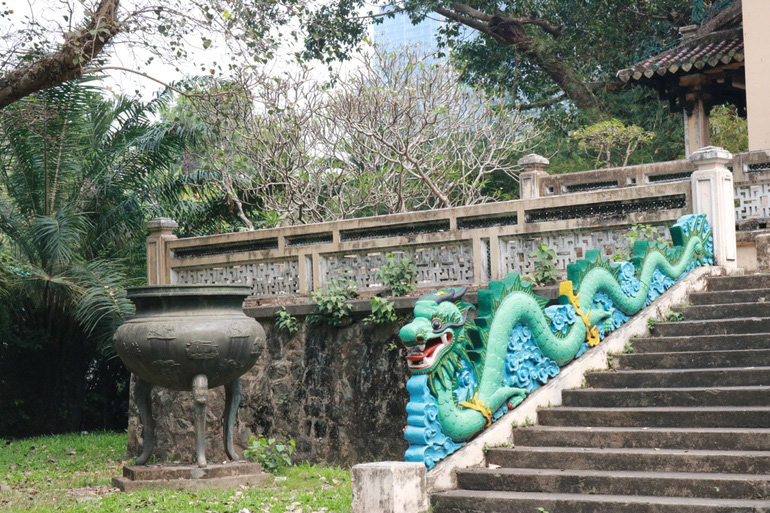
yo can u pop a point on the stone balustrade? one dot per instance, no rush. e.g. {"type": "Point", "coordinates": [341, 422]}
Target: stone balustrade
{"type": "Point", "coordinates": [457, 246]}
{"type": "Point", "coordinates": [751, 177]}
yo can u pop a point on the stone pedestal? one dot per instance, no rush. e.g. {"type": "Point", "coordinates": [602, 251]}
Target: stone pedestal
{"type": "Point", "coordinates": [713, 194]}
{"type": "Point", "coordinates": [389, 487]}
{"type": "Point", "coordinates": [161, 231]}
{"type": "Point", "coordinates": [533, 171]}
{"type": "Point", "coordinates": [190, 477]}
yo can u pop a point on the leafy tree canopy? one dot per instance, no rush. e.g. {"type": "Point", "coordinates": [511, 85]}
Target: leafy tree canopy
{"type": "Point", "coordinates": [543, 51]}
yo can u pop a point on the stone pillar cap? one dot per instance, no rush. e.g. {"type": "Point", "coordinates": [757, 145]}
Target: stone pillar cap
{"type": "Point", "coordinates": [533, 158]}
{"type": "Point", "coordinates": [711, 153]}
{"type": "Point", "coordinates": [162, 224]}
{"type": "Point", "coordinates": [391, 465]}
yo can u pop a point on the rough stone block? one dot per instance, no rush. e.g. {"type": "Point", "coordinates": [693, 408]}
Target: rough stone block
{"type": "Point", "coordinates": [389, 487]}
{"type": "Point", "coordinates": [191, 477]}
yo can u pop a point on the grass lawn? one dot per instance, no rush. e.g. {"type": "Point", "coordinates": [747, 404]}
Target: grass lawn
{"type": "Point", "coordinates": [72, 473]}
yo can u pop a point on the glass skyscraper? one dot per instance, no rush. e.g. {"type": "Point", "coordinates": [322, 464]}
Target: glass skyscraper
{"type": "Point", "coordinates": [398, 31]}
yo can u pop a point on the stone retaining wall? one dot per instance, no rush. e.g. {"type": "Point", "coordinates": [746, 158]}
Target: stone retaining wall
{"type": "Point", "coordinates": [339, 393]}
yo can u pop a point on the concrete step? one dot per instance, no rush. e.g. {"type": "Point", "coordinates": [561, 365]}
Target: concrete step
{"type": "Point", "coordinates": [482, 501]}
{"type": "Point", "coordinates": [677, 378]}
{"type": "Point", "coordinates": [700, 343]}
{"type": "Point", "coordinates": [694, 359]}
{"type": "Point", "coordinates": [728, 311]}
{"type": "Point", "coordinates": [646, 460]}
{"type": "Point", "coordinates": [718, 416]}
{"type": "Point", "coordinates": [699, 439]}
{"type": "Point", "coordinates": [659, 484]}
{"type": "Point", "coordinates": [712, 327]}
{"type": "Point", "coordinates": [741, 282]}
{"type": "Point", "coordinates": [651, 397]}
{"type": "Point", "coordinates": [724, 297]}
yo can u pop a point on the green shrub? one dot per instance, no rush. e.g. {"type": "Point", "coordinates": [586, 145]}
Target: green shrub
{"type": "Point", "coordinates": [383, 311]}
{"type": "Point", "coordinates": [284, 321]}
{"type": "Point", "coordinates": [546, 272]}
{"type": "Point", "coordinates": [332, 302]}
{"type": "Point", "coordinates": [675, 316]}
{"type": "Point", "coordinates": [639, 232]}
{"type": "Point", "coordinates": [611, 142]}
{"type": "Point", "coordinates": [399, 274]}
{"type": "Point", "coordinates": [272, 454]}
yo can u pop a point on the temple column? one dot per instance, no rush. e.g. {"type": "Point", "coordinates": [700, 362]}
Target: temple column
{"type": "Point", "coordinates": [756, 40]}
{"type": "Point", "coordinates": [696, 122]}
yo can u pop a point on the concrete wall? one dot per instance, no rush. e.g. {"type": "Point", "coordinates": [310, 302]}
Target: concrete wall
{"type": "Point", "coordinates": [756, 14]}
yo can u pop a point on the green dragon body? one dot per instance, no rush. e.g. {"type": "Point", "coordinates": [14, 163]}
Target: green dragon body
{"type": "Point", "coordinates": [468, 372]}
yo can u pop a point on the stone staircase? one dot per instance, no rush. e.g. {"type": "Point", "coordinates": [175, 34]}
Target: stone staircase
{"type": "Point", "coordinates": [681, 425]}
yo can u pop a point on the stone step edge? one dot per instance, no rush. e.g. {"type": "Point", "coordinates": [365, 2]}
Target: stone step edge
{"type": "Point", "coordinates": [738, 388]}
{"type": "Point", "coordinates": [607, 499]}
{"type": "Point", "coordinates": [732, 305]}
{"type": "Point", "coordinates": [627, 451]}
{"type": "Point", "coordinates": [691, 354]}
{"type": "Point", "coordinates": [683, 371]}
{"type": "Point", "coordinates": [632, 429]}
{"type": "Point", "coordinates": [712, 321]}
{"type": "Point", "coordinates": [616, 473]}
{"type": "Point", "coordinates": [682, 338]}
{"type": "Point", "coordinates": [716, 293]}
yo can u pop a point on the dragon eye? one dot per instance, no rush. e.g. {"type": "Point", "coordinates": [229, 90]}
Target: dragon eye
{"type": "Point", "coordinates": [437, 324]}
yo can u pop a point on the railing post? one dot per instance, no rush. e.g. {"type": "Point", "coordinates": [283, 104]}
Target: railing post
{"type": "Point", "coordinates": [161, 231]}
{"type": "Point", "coordinates": [533, 166]}
{"type": "Point", "coordinates": [389, 487]}
{"type": "Point", "coordinates": [713, 195]}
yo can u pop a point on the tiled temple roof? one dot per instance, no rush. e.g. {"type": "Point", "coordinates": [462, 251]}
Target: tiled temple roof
{"type": "Point", "coordinates": [715, 49]}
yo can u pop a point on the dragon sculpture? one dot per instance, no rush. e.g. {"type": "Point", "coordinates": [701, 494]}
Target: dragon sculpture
{"type": "Point", "coordinates": [467, 372]}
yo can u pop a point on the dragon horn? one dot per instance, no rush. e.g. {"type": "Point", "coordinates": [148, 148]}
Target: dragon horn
{"type": "Point", "coordinates": [461, 323]}
{"type": "Point", "coordinates": [451, 296]}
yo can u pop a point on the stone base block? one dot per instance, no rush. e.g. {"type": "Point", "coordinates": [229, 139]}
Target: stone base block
{"type": "Point", "coordinates": [389, 487]}
{"type": "Point", "coordinates": [190, 477]}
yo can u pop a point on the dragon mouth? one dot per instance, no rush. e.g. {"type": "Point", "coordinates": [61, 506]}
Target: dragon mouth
{"type": "Point", "coordinates": [424, 355]}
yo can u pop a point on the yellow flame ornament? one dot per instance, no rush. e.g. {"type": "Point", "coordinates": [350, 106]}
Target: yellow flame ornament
{"type": "Point", "coordinates": [475, 404]}
{"type": "Point", "coordinates": [592, 332]}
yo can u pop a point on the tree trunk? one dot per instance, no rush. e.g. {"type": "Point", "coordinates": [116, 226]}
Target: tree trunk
{"type": "Point", "coordinates": [514, 34]}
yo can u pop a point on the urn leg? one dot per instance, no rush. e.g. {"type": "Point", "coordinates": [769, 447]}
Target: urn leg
{"type": "Point", "coordinates": [200, 391]}
{"type": "Point", "coordinates": [143, 400]}
{"type": "Point", "coordinates": [232, 400]}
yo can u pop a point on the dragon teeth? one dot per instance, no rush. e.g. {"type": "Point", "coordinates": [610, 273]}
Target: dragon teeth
{"type": "Point", "coordinates": [420, 347]}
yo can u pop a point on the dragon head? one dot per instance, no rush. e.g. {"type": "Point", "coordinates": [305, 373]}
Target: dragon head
{"type": "Point", "coordinates": [433, 334]}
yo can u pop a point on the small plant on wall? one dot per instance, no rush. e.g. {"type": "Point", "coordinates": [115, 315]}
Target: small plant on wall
{"type": "Point", "coordinates": [332, 302]}
{"type": "Point", "coordinates": [284, 321]}
{"type": "Point", "coordinates": [399, 274]}
{"type": "Point", "coordinates": [544, 262]}
{"type": "Point", "coordinates": [638, 232]}
{"type": "Point", "coordinates": [383, 311]}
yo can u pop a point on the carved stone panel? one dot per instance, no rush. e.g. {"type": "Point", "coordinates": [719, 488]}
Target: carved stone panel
{"type": "Point", "coordinates": [569, 246]}
{"type": "Point", "coordinates": [265, 278]}
{"type": "Point", "coordinates": [753, 201]}
{"type": "Point", "coordinates": [437, 265]}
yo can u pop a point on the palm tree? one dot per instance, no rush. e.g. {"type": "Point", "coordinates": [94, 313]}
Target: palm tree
{"type": "Point", "coordinates": [77, 177]}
